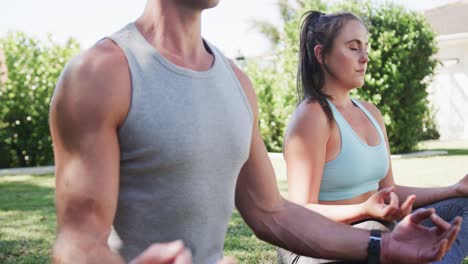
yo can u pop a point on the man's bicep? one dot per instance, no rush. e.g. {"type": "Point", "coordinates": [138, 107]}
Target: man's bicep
{"type": "Point", "coordinates": [257, 195]}
{"type": "Point", "coordinates": [256, 189]}
{"type": "Point", "coordinates": [86, 155]}
{"type": "Point", "coordinates": [87, 184]}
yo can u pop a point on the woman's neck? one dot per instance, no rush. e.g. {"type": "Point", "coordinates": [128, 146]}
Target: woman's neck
{"type": "Point", "coordinates": [339, 93]}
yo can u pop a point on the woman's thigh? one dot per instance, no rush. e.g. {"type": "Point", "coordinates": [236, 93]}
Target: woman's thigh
{"type": "Point", "coordinates": [448, 210]}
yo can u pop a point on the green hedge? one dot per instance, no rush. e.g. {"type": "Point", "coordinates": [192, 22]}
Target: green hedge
{"type": "Point", "coordinates": [400, 68]}
{"type": "Point", "coordinates": [33, 69]}
{"type": "Point", "coordinates": [276, 103]}
{"type": "Point", "coordinates": [401, 65]}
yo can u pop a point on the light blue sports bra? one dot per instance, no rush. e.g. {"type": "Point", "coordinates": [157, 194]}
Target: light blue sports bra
{"type": "Point", "coordinates": [358, 168]}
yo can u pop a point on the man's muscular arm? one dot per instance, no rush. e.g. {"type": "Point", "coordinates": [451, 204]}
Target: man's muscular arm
{"type": "Point", "coordinates": [91, 99]}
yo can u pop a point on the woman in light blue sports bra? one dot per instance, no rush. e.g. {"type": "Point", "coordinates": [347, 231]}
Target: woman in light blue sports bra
{"type": "Point", "coordinates": [336, 147]}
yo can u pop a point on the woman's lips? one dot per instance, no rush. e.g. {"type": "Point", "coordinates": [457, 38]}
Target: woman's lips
{"type": "Point", "coordinates": [362, 72]}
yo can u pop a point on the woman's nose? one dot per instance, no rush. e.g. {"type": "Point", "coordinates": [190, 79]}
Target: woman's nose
{"type": "Point", "coordinates": [364, 57]}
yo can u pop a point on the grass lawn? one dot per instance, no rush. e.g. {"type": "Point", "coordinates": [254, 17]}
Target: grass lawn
{"type": "Point", "coordinates": [27, 213]}
{"type": "Point", "coordinates": [27, 218]}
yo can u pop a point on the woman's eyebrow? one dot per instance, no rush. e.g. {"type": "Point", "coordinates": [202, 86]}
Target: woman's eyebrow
{"type": "Point", "coordinates": [358, 42]}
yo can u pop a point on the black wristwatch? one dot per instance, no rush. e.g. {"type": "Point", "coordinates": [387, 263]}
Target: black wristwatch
{"type": "Point", "coordinates": [373, 251]}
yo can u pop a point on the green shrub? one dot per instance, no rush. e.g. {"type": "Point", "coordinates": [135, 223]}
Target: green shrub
{"type": "Point", "coordinates": [400, 68]}
{"type": "Point", "coordinates": [276, 103]}
{"type": "Point", "coordinates": [33, 69]}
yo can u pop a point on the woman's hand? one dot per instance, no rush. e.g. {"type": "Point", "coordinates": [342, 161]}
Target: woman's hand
{"type": "Point", "coordinates": [375, 206]}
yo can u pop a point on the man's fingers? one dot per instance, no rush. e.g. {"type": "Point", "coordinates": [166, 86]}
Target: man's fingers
{"type": "Point", "coordinates": [457, 221]}
{"type": "Point", "coordinates": [453, 232]}
{"type": "Point", "coordinates": [228, 260]}
{"type": "Point", "coordinates": [168, 250]}
{"type": "Point", "coordinates": [420, 215]}
{"type": "Point", "coordinates": [443, 247]}
{"type": "Point", "coordinates": [449, 234]}
{"type": "Point", "coordinates": [184, 258]}
{"type": "Point", "coordinates": [440, 223]}
{"type": "Point", "coordinates": [161, 253]}
{"type": "Point", "coordinates": [434, 253]}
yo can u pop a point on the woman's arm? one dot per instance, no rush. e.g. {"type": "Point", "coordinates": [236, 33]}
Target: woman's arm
{"type": "Point", "coordinates": [424, 196]}
{"type": "Point", "coordinates": [374, 207]}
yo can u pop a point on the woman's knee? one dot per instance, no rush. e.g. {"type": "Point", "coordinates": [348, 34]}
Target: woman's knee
{"type": "Point", "coordinates": [460, 206]}
{"type": "Point", "coordinates": [449, 209]}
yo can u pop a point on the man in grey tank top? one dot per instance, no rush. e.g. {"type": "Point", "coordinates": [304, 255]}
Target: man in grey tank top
{"type": "Point", "coordinates": [155, 133]}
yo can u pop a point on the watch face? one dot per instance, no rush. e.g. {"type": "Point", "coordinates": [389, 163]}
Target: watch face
{"type": "Point", "coordinates": [374, 243]}
{"type": "Point", "coordinates": [373, 250]}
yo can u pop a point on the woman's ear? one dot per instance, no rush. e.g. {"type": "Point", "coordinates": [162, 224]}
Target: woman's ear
{"type": "Point", "coordinates": [318, 53]}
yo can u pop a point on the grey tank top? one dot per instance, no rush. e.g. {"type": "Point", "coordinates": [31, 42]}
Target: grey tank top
{"type": "Point", "coordinates": [182, 145]}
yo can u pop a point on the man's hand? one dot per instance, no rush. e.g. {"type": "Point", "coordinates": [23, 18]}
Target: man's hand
{"type": "Point", "coordinates": [168, 253]}
{"type": "Point", "coordinates": [171, 253]}
{"type": "Point", "coordinates": [228, 260]}
{"type": "Point", "coordinates": [376, 207]}
{"type": "Point", "coordinates": [411, 242]}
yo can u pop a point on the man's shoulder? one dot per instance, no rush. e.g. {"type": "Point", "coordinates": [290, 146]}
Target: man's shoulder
{"type": "Point", "coordinates": [104, 59]}
{"type": "Point", "coordinates": [247, 86]}
{"type": "Point", "coordinates": [96, 79]}
{"type": "Point", "coordinates": [240, 74]}
{"type": "Point", "coordinates": [102, 69]}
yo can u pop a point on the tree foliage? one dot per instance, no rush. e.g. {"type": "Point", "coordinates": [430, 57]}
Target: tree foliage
{"type": "Point", "coordinates": [33, 67]}
{"type": "Point", "coordinates": [400, 69]}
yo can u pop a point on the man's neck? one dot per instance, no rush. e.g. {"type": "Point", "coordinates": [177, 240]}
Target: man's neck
{"type": "Point", "coordinates": [175, 31]}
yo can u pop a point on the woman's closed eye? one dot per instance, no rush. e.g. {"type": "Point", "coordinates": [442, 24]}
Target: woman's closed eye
{"type": "Point", "coordinates": [365, 50]}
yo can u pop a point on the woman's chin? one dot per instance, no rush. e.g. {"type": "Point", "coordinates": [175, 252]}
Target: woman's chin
{"type": "Point", "coordinates": [358, 84]}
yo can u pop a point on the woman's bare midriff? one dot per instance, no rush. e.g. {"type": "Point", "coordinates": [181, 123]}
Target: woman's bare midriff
{"type": "Point", "coordinates": [355, 200]}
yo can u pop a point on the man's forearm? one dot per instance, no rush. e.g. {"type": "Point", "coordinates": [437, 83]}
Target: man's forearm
{"type": "Point", "coordinates": [308, 233]}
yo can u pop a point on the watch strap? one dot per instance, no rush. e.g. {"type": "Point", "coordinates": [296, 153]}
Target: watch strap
{"type": "Point", "coordinates": [373, 250]}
